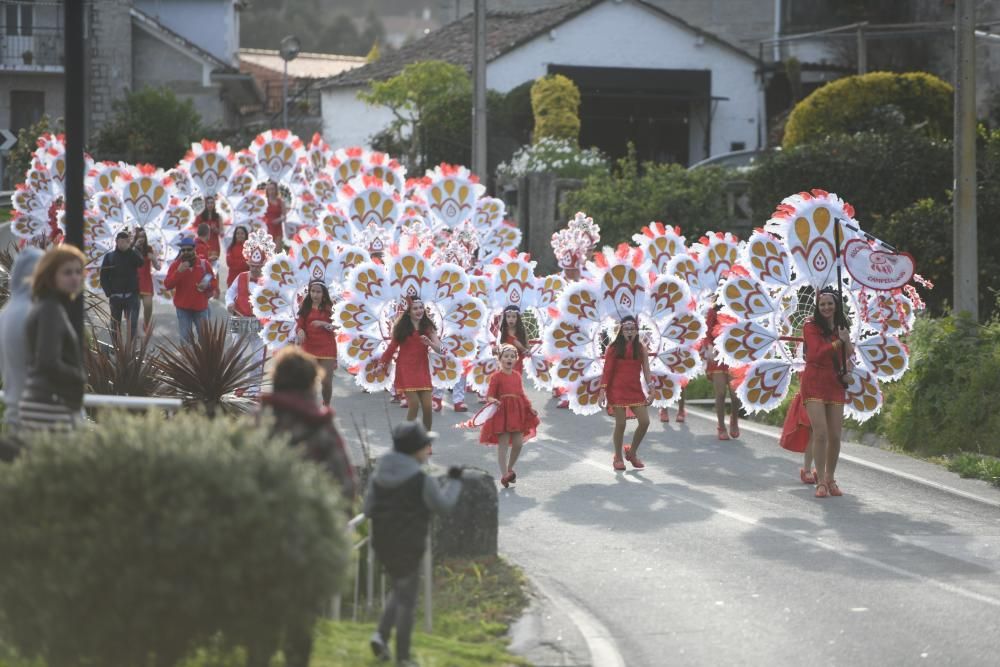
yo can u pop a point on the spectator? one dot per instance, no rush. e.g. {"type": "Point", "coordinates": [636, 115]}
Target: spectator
{"type": "Point", "coordinates": [192, 280]}
{"type": "Point", "coordinates": [120, 282]}
{"type": "Point", "coordinates": [13, 338]}
{"type": "Point", "coordinates": [146, 287]}
{"type": "Point", "coordinates": [53, 390]}
{"type": "Point", "coordinates": [399, 502]}
{"type": "Point", "coordinates": [236, 263]}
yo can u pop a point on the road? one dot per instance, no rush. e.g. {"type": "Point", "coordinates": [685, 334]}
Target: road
{"type": "Point", "coordinates": [717, 555]}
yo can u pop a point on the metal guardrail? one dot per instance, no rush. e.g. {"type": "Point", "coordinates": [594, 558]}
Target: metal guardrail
{"type": "Point", "coordinates": [365, 542]}
{"type": "Point", "coordinates": [126, 402]}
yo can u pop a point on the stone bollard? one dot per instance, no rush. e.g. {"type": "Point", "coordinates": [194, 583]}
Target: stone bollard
{"type": "Point", "coordinates": [470, 530]}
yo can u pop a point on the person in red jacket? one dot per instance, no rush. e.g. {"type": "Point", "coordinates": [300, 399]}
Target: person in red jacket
{"type": "Point", "coordinates": [236, 263]}
{"type": "Point", "coordinates": [822, 382]}
{"type": "Point", "coordinates": [413, 335]}
{"type": "Point", "coordinates": [315, 332]}
{"type": "Point", "coordinates": [193, 282]}
{"type": "Point", "coordinates": [625, 360]}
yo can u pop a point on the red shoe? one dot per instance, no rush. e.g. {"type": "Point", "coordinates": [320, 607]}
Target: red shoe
{"type": "Point", "coordinates": [681, 416]}
{"type": "Point", "coordinates": [734, 429]}
{"type": "Point", "coordinates": [403, 403]}
{"type": "Point", "coordinates": [722, 433]}
{"type": "Point", "coordinates": [460, 407]}
{"type": "Point", "coordinates": [807, 478]}
{"type": "Point", "coordinates": [665, 416]}
{"type": "Point", "coordinates": [513, 476]}
{"type": "Point", "coordinates": [834, 489]}
{"type": "Point", "coordinates": [633, 458]}
{"type": "Point", "coordinates": [436, 404]}
{"type": "Point", "coordinates": [618, 464]}
{"type": "Point", "coordinates": [822, 491]}
{"type": "Point", "coordinates": [563, 404]}
{"type": "Point", "coordinates": [507, 479]}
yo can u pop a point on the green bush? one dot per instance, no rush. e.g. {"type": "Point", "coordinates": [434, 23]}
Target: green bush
{"type": "Point", "coordinates": [138, 541]}
{"type": "Point", "coordinates": [150, 126]}
{"type": "Point", "coordinates": [20, 156]}
{"type": "Point", "coordinates": [632, 197]}
{"type": "Point", "coordinates": [872, 101]}
{"type": "Point", "coordinates": [555, 101]}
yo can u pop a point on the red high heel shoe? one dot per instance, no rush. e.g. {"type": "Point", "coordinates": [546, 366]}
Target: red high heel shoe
{"type": "Point", "coordinates": [633, 458]}
{"type": "Point", "coordinates": [807, 478]}
{"type": "Point", "coordinates": [722, 433]}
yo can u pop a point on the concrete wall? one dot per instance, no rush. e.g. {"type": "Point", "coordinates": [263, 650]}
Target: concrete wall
{"type": "Point", "coordinates": [49, 84]}
{"type": "Point", "coordinates": [157, 64]}
{"type": "Point", "coordinates": [347, 121]}
{"type": "Point", "coordinates": [109, 56]}
{"type": "Point", "coordinates": [213, 25]}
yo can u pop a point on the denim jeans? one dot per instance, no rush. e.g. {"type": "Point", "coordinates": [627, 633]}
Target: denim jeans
{"type": "Point", "coordinates": [188, 321]}
{"type": "Point", "coordinates": [127, 305]}
{"type": "Point", "coordinates": [399, 612]}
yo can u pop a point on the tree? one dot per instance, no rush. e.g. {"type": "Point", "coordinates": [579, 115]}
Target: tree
{"type": "Point", "coordinates": [19, 158]}
{"type": "Point", "coordinates": [150, 126]}
{"type": "Point", "coordinates": [555, 101]}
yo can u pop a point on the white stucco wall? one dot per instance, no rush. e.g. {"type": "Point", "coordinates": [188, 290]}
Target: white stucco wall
{"type": "Point", "coordinates": [630, 35]}
{"type": "Point", "coordinates": [213, 25]}
{"type": "Point", "coordinates": [347, 121]}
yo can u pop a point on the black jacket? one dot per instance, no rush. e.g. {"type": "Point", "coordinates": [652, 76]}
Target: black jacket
{"type": "Point", "coordinates": [120, 272]}
{"type": "Point", "coordinates": [55, 361]}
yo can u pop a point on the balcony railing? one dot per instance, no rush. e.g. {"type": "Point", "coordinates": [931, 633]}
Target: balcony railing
{"type": "Point", "coordinates": [31, 34]}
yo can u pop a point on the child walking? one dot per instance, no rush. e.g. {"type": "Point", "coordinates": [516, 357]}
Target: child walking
{"type": "Point", "coordinates": [399, 502]}
{"type": "Point", "coordinates": [515, 421]}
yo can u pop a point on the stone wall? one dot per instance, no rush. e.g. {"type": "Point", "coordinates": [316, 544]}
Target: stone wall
{"type": "Point", "coordinates": [109, 59]}
{"type": "Point", "coordinates": [533, 202]}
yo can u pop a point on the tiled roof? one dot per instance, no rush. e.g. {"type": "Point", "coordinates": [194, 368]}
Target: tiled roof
{"type": "Point", "coordinates": [305, 65]}
{"type": "Point", "coordinates": [505, 31]}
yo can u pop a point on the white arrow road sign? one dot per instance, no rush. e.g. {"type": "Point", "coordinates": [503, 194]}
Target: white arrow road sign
{"type": "Point", "coordinates": [9, 139]}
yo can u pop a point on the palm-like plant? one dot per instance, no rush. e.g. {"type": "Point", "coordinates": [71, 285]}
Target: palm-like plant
{"type": "Point", "coordinates": [7, 256]}
{"type": "Point", "coordinates": [210, 371]}
{"type": "Point", "coordinates": [125, 369]}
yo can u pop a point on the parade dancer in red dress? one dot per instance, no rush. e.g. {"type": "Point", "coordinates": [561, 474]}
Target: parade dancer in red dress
{"type": "Point", "coordinates": [512, 332]}
{"type": "Point", "coordinates": [236, 263]}
{"type": "Point", "coordinates": [721, 378]}
{"type": "Point", "coordinates": [621, 389]}
{"type": "Point", "coordinates": [146, 287]}
{"type": "Point", "coordinates": [412, 335]}
{"type": "Point", "coordinates": [827, 342]}
{"type": "Point", "coordinates": [316, 335]}
{"type": "Point", "coordinates": [515, 421]}
{"type": "Point", "coordinates": [274, 216]}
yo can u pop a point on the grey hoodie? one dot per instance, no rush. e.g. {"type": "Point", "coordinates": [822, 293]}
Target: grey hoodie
{"type": "Point", "coordinates": [440, 493]}
{"type": "Point", "coordinates": [13, 339]}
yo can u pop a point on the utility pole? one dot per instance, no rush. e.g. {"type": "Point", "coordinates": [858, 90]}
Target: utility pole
{"type": "Point", "coordinates": [965, 258]}
{"type": "Point", "coordinates": [479, 93]}
{"type": "Point", "coordinates": [862, 49]}
{"type": "Point", "coordinates": [74, 93]}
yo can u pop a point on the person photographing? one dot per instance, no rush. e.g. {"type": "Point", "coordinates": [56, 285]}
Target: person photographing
{"type": "Point", "coordinates": [193, 281]}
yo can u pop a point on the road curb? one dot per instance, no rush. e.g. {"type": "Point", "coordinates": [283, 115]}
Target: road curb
{"type": "Point", "coordinates": [774, 432]}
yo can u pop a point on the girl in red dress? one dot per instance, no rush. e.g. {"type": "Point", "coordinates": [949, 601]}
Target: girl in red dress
{"type": "Point", "coordinates": [316, 333]}
{"type": "Point", "coordinates": [721, 378]}
{"type": "Point", "coordinates": [236, 263]}
{"type": "Point", "coordinates": [827, 343]}
{"type": "Point", "coordinates": [412, 335]}
{"type": "Point", "coordinates": [141, 244]}
{"type": "Point", "coordinates": [515, 421]}
{"type": "Point", "coordinates": [512, 332]}
{"type": "Point", "coordinates": [621, 389]}
{"type": "Point", "coordinates": [211, 217]}
{"type": "Point", "coordinates": [274, 216]}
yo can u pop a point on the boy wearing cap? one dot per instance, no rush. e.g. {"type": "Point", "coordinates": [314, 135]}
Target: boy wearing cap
{"type": "Point", "coordinates": [399, 502]}
{"type": "Point", "coordinates": [193, 281]}
{"type": "Point", "coordinates": [120, 283]}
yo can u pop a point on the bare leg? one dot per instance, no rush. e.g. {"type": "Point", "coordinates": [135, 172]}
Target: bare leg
{"type": "Point", "coordinates": [734, 404]}
{"type": "Point", "coordinates": [503, 446]}
{"type": "Point", "coordinates": [807, 456]}
{"type": "Point", "coordinates": [834, 426]}
{"type": "Point", "coordinates": [516, 443]}
{"type": "Point", "coordinates": [328, 366]}
{"type": "Point", "coordinates": [412, 405]}
{"type": "Point", "coordinates": [642, 417]}
{"type": "Point", "coordinates": [720, 386]}
{"type": "Point", "coordinates": [817, 416]}
{"type": "Point", "coordinates": [619, 433]}
{"type": "Point", "coordinates": [147, 310]}
{"type": "Point", "coordinates": [426, 406]}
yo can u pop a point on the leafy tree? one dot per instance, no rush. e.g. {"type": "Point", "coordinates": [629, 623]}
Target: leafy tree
{"type": "Point", "coordinates": [555, 101]}
{"type": "Point", "coordinates": [150, 126]}
{"type": "Point", "coordinates": [19, 158]}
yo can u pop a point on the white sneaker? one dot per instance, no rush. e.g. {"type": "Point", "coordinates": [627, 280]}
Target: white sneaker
{"type": "Point", "coordinates": [379, 649]}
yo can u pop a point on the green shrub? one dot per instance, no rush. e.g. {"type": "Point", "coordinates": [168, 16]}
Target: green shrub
{"type": "Point", "coordinates": [150, 126]}
{"type": "Point", "coordinates": [872, 101]}
{"type": "Point", "coordinates": [20, 156]}
{"type": "Point", "coordinates": [555, 101]}
{"type": "Point", "coordinates": [632, 197]}
{"type": "Point", "coordinates": [145, 537]}
{"type": "Point", "coordinates": [976, 466]}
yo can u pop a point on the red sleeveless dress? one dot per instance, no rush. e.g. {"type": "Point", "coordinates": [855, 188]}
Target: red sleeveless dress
{"type": "Point", "coordinates": [514, 414]}
{"type": "Point", "coordinates": [413, 366]}
{"type": "Point", "coordinates": [819, 381]}
{"type": "Point", "coordinates": [622, 379]}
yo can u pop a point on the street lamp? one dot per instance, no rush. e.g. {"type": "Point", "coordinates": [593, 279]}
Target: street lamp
{"type": "Point", "coordinates": [290, 48]}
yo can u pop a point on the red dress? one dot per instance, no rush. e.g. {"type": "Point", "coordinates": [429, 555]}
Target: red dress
{"type": "Point", "coordinates": [320, 343]}
{"type": "Point", "coordinates": [514, 414]}
{"type": "Point", "coordinates": [235, 262]}
{"type": "Point", "coordinates": [146, 277]}
{"type": "Point", "coordinates": [519, 364]}
{"type": "Point", "coordinates": [413, 366]}
{"type": "Point", "coordinates": [272, 217]}
{"type": "Point", "coordinates": [214, 246]}
{"type": "Point", "coordinates": [622, 379]}
{"type": "Point", "coordinates": [819, 381]}
{"type": "Point", "coordinates": [712, 322]}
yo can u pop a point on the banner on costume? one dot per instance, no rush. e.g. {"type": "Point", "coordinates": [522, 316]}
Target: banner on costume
{"type": "Point", "coordinates": [877, 269]}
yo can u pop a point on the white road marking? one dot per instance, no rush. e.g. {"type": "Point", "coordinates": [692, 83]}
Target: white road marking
{"type": "Point", "coordinates": [603, 649]}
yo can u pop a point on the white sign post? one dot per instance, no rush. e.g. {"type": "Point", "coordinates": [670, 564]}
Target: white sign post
{"type": "Point", "coordinates": [8, 140]}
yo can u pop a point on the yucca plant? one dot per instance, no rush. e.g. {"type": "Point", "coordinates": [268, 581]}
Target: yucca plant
{"type": "Point", "coordinates": [7, 256]}
{"type": "Point", "coordinates": [126, 369]}
{"type": "Point", "coordinates": [209, 372]}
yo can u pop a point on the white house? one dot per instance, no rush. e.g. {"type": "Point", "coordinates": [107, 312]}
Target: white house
{"type": "Point", "coordinates": [646, 76]}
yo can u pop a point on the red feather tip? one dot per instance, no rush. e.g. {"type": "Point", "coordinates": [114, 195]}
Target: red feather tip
{"type": "Point", "coordinates": [600, 260]}
{"type": "Point", "coordinates": [739, 270]}
{"type": "Point", "coordinates": [806, 196]}
{"type": "Point", "coordinates": [738, 375]}
{"type": "Point", "coordinates": [343, 338]}
{"type": "Point", "coordinates": [553, 312]}
{"type": "Point", "coordinates": [849, 210]}
{"type": "Point", "coordinates": [817, 192]}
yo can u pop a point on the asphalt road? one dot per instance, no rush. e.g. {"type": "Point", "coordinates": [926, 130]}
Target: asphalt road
{"type": "Point", "coordinates": [717, 555]}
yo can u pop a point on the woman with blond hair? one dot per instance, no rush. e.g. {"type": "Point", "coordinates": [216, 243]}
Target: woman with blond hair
{"type": "Point", "coordinates": [53, 390]}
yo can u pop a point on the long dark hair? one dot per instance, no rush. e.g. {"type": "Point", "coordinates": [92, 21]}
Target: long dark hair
{"type": "Point", "coordinates": [144, 248]}
{"type": "Point", "coordinates": [307, 303]}
{"type": "Point", "coordinates": [214, 215]}
{"type": "Point", "coordinates": [619, 342]}
{"type": "Point", "coordinates": [839, 318]}
{"type": "Point", "coordinates": [519, 331]}
{"type": "Point", "coordinates": [246, 234]}
{"type": "Point", "coordinates": [403, 327]}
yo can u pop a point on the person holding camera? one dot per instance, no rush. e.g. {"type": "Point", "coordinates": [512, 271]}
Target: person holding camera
{"type": "Point", "coordinates": [399, 502]}
{"type": "Point", "coordinates": [193, 281]}
{"type": "Point", "coordinates": [120, 282]}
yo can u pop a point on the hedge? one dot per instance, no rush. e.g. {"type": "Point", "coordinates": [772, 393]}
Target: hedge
{"type": "Point", "coordinates": [555, 101]}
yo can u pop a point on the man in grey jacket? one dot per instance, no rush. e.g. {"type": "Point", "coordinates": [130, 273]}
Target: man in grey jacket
{"type": "Point", "coordinates": [13, 339]}
{"type": "Point", "coordinates": [400, 501]}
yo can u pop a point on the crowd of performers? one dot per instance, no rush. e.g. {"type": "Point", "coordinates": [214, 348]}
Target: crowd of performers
{"type": "Point", "coordinates": [415, 287]}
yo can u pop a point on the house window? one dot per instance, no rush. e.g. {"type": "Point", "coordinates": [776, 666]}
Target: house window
{"type": "Point", "coordinates": [26, 108]}
{"type": "Point", "coordinates": [20, 18]}
{"type": "Point", "coordinates": [737, 146]}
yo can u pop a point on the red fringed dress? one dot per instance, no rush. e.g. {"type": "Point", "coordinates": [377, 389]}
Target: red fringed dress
{"type": "Point", "coordinates": [714, 365]}
{"type": "Point", "coordinates": [622, 379]}
{"type": "Point", "coordinates": [275, 225]}
{"type": "Point", "coordinates": [819, 380]}
{"type": "Point", "coordinates": [413, 366]}
{"type": "Point", "coordinates": [514, 414]}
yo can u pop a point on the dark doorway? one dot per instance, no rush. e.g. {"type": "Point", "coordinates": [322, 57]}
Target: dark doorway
{"type": "Point", "coordinates": [652, 109]}
{"type": "Point", "coordinates": [26, 108]}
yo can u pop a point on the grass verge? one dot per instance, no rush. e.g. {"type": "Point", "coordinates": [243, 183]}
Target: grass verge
{"type": "Point", "coordinates": [976, 466]}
